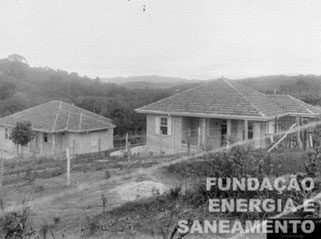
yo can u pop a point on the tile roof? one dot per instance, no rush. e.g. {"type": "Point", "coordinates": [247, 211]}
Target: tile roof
{"type": "Point", "coordinates": [292, 105]}
{"type": "Point", "coordinates": [58, 116]}
{"type": "Point", "coordinates": [230, 99]}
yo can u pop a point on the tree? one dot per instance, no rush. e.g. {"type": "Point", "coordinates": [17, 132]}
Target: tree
{"type": "Point", "coordinates": [301, 85]}
{"type": "Point", "coordinates": [17, 66]}
{"type": "Point", "coordinates": [22, 134]}
{"type": "Point", "coordinates": [7, 89]}
{"type": "Point", "coordinates": [17, 58]}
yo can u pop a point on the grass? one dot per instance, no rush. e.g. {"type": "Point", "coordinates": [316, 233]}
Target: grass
{"type": "Point", "coordinates": [154, 216]}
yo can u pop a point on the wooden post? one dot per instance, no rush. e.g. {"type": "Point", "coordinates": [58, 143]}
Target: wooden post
{"type": "Point", "coordinates": [41, 143]}
{"type": "Point", "coordinates": [199, 137]}
{"type": "Point", "coordinates": [298, 134]}
{"type": "Point", "coordinates": [126, 142]}
{"type": "Point", "coordinates": [2, 170]}
{"type": "Point", "coordinates": [189, 142]}
{"type": "Point", "coordinates": [203, 132]}
{"type": "Point", "coordinates": [68, 166]}
{"type": "Point", "coordinates": [53, 144]}
{"type": "Point", "coordinates": [128, 154]}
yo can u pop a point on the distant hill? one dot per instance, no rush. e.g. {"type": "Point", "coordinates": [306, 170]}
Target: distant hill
{"type": "Point", "coordinates": [22, 86]}
{"type": "Point", "coordinates": [304, 87]}
{"type": "Point", "coordinates": [151, 82]}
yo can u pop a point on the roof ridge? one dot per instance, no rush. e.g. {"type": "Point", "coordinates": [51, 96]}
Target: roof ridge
{"type": "Point", "coordinates": [66, 128]}
{"type": "Point", "coordinates": [57, 115]}
{"type": "Point", "coordinates": [84, 111]}
{"type": "Point", "coordinates": [240, 93]}
{"type": "Point", "coordinates": [169, 97]}
{"type": "Point", "coordinates": [84, 115]}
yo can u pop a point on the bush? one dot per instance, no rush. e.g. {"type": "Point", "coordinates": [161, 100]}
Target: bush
{"type": "Point", "coordinates": [30, 176]}
{"type": "Point", "coordinates": [107, 174]}
{"type": "Point", "coordinates": [15, 224]}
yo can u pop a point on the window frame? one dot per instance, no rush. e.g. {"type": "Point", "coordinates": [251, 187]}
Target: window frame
{"type": "Point", "coordinates": [162, 126]}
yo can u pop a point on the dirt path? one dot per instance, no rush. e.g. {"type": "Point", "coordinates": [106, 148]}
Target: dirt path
{"type": "Point", "coordinates": [68, 211]}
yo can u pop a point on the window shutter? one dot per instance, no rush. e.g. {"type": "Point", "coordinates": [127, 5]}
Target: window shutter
{"type": "Point", "coordinates": [157, 125]}
{"type": "Point", "coordinates": [169, 125]}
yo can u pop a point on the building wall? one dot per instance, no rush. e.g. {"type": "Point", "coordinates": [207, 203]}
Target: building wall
{"type": "Point", "coordinates": [210, 134]}
{"type": "Point", "coordinates": [88, 142]}
{"type": "Point", "coordinates": [7, 147]}
{"type": "Point", "coordinates": [158, 143]}
{"type": "Point", "coordinates": [57, 143]}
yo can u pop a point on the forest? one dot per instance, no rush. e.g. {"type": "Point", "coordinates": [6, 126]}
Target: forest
{"type": "Point", "coordinates": [22, 86]}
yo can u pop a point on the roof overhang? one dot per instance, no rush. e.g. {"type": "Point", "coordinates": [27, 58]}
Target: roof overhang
{"type": "Point", "coordinates": [203, 115]}
{"type": "Point", "coordinates": [63, 130]}
{"type": "Point", "coordinates": [221, 116]}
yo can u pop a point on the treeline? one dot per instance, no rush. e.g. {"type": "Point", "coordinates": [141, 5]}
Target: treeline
{"type": "Point", "coordinates": [304, 87]}
{"type": "Point", "coordinates": [22, 86]}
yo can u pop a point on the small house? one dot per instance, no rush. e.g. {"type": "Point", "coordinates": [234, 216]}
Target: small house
{"type": "Point", "coordinates": [58, 125]}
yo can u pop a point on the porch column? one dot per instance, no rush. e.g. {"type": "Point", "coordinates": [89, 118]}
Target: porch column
{"type": "Point", "coordinates": [53, 143]}
{"type": "Point", "coordinates": [257, 134]}
{"type": "Point", "coordinates": [298, 133]}
{"type": "Point", "coordinates": [203, 132]}
{"type": "Point", "coordinates": [246, 132]}
{"type": "Point", "coordinates": [41, 143]}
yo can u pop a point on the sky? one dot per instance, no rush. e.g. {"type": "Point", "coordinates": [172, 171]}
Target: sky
{"type": "Point", "coordinates": [194, 39]}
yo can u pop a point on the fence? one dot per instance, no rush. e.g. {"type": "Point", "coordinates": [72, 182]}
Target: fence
{"type": "Point", "coordinates": [134, 140]}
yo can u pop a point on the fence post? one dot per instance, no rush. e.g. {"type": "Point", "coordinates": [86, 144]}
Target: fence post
{"type": "Point", "coordinates": [128, 154]}
{"type": "Point", "coordinates": [189, 142]}
{"type": "Point", "coordinates": [2, 170]}
{"type": "Point", "coordinates": [68, 166]}
{"type": "Point", "coordinates": [199, 137]}
{"type": "Point", "coordinates": [126, 142]}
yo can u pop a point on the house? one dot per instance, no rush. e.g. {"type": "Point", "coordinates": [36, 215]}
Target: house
{"type": "Point", "coordinates": [58, 125]}
{"type": "Point", "coordinates": [220, 112]}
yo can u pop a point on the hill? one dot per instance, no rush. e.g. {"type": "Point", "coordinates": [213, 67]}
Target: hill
{"type": "Point", "coordinates": [304, 87]}
{"type": "Point", "coordinates": [151, 82]}
{"type": "Point", "coordinates": [22, 86]}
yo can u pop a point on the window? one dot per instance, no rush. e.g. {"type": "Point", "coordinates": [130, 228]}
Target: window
{"type": "Point", "coordinates": [6, 133]}
{"type": "Point", "coordinates": [224, 132]}
{"type": "Point", "coordinates": [224, 127]}
{"type": "Point", "coordinates": [164, 126]}
{"type": "Point", "coordinates": [250, 130]}
{"type": "Point", "coordinates": [45, 138]}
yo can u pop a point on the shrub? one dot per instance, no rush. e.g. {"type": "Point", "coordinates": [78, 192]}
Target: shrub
{"type": "Point", "coordinates": [175, 192]}
{"type": "Point", "coordinates": [30, 176]}
{"type": "Point", "coordinates": [107, 174]}
{"type": "Point", "coordinates": [15, 224]}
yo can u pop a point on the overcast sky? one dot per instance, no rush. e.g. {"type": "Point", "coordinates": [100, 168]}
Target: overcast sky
{"type": "Point", "coordinates": [185, 38]}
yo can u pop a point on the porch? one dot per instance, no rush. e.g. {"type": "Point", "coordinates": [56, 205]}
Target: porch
{"type": "Point", "coordinates": [211, 133]}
